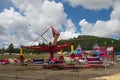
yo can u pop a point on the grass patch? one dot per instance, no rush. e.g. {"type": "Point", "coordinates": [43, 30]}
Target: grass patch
{"type": "Point", "coordinates": [42, 55]}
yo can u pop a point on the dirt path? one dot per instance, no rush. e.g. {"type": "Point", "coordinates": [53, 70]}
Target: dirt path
{"type": "Point", "coordinates": [17, 72]}
{"type": "Point", "coordinates": [111, 77]}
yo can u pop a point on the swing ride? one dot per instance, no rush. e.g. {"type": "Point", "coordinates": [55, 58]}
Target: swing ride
{"type": "Point", "coordinates": [52, 47]}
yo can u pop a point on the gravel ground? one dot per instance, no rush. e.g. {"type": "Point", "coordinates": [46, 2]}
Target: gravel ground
{"type": "Point", "coordinates": [17, 72]}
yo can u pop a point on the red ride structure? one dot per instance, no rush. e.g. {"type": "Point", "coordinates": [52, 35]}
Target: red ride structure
{"type": "Point", "coordinates": [50, 48]}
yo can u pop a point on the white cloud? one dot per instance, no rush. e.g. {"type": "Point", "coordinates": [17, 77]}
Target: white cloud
{"type": "Point", "coordinates": [33, 18]}
{"type": "Point", "coordinates": [42, 14]}
{"type": "Point", "coordinates": [47, 14]}
{"type": "Point", "coordinates": [70, 26]}
{"type": "Point", "coordinates": [2, 30]}
{"type": "Point", "coordinates": [14, 27]}
{"type": "Point", "coordinates": [92, 4]}
{"type": "Point", "coordinates": [68, 34]}
{"type": "Point", "coordinates": [116, 10]}
{"type": "Point", "coordinates": [108, 28]}
{"type": "Point", "coordinates": [70, 30]}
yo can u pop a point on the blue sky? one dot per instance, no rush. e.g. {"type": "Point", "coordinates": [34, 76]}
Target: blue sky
{"type": "Point", "coordinates": [5, 4]}
{"type": "Point", "coordinates": [79, 13]}
{"type": "Point", "coordinates": [22, 21]}
{"type": "Point", "coordinates": [90, 15]}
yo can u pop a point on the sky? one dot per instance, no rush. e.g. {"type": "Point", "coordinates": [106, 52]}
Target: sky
{"type": "Point", "coordinates": [23, 21]}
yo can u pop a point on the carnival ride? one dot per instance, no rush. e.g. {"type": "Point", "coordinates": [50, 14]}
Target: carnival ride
{"type": "Point", "coordinates": [77, 58]}
{"type": "Point", "coordinates": [102, 55]}
{"type": "Point", "coordinates": [53, 47]}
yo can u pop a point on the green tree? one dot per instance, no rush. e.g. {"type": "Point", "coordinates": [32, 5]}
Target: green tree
{"type": "Point", "coordinates": [3, 50]}
{"type": "Point", "coordinates": [10, 48]}
{"type": "Point", "coordinates": [39, 44]}
{"type": "Point", "coordinates": [16, 50]}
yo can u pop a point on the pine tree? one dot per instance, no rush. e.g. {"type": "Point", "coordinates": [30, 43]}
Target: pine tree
{"type": "Point", "coordinates": [10, 48]}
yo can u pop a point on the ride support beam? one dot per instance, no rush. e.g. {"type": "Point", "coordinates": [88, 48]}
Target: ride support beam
{"type": "Point", "coordinates": [72, 49]}
{"type": "Point", "coordinates": [51, 54]}
{"type": "Point", "coordinates": [61, 52]}
{"type": "Point", "coordinates": [21, 51]}
{"type": "Point", "coordinates": [21, 57]}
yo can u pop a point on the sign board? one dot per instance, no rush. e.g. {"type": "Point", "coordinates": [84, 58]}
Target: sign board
{"type": "Point", "coordinates": [118, 57]}
{"type": "Point", "coordinates": [110, 49]}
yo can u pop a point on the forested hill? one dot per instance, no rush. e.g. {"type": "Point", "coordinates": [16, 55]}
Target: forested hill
{"type": "Point", "coordinates": [87, 42]}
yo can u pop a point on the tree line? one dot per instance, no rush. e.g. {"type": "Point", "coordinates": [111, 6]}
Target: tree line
{"type": "Point", "coordinates": [86, 42]}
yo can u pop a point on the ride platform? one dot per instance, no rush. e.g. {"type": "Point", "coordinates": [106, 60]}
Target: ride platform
{"type": "Point", "coordinates": [72, 66]}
